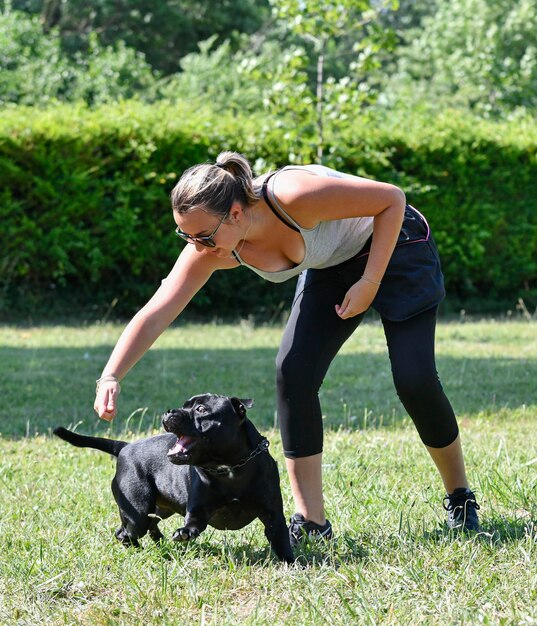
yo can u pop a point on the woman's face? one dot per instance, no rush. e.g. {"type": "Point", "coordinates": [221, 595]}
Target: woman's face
{"type": "Point", "coordinates": [209, 231]}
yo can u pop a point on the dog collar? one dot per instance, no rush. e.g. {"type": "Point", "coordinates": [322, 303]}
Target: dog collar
{"type": "Point", "coordinates": [262, 446]}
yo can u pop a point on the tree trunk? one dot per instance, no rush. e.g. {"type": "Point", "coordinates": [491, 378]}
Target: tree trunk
{"type": "Point", "coordinates": [51, 14]}
{"type": "Point", "coordinates": [320, 81]}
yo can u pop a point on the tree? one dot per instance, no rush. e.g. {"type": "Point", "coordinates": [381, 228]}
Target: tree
{"type": "Point", "coordinates": [324, 24]}
{"type": "Point", "coordinates": [31, 65]}
{"type": "Point", "coordinates": [473, 54]}
{"type": "Point", "coordinates": [307, 69]}
{"type": "Point", "coordinates": [163, 31]}
{"type": "Point", "coordinates": [35, 70]}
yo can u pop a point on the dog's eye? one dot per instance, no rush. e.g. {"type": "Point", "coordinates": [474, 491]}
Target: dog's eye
{"type": "Point", "coordinates": [201, 409]}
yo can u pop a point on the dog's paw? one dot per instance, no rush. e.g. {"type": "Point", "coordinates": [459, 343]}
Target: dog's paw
{"type": "Point", "coordinates": [185, 534]}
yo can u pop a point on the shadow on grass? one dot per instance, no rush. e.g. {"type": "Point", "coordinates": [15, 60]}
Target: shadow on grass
{"type": "Point", "coordinates": [245, 555]}
{"type": "Point", "coordinates": [349, 549]}
{"type": "Point", "coordinates": [346, 549]}
{"type": "Point", "coordinates": [219, 547]}
{"type": "Point", "coordinates": [493, 531]}
{"type": "Point", "coordinates": [45, 387]}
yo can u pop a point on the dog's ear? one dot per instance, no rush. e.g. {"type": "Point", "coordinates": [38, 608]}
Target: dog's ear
{"type": "Point", "coordinates": [241, 404]}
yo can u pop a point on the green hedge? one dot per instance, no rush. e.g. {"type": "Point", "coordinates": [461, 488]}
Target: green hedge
{"type": "Point", "coordinates": [86, 222]}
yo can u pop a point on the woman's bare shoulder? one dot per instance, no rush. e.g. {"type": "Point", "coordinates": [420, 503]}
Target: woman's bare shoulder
{"type": "Point", "coordinates": [310, 198]}
{"type": "Point", "coordinates": [294, 188]}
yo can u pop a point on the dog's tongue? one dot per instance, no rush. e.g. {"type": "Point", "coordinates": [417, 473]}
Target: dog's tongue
{"type": "Point", "coordinates": [181, 447]}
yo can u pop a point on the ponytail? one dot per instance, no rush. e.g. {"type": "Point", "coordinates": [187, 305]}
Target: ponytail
{"type": "Point", "coordinates": [215, 187]}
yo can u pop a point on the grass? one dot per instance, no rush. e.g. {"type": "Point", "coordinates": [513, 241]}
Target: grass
{"type": "Point", "coordinates": [393, 561]}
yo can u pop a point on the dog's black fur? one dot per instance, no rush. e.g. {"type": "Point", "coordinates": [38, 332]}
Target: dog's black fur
{"type": "Point", "coordinates": [212, 466]}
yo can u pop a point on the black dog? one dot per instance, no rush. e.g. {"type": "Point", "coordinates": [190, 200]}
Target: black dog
{"type": "Point", "coordinates": [226, 477]}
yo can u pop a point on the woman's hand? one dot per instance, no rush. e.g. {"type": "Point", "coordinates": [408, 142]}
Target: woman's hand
{"type": "Point", "coordinates": [108, 390]}
{"type": "Point", "coordinates": [358, 299]}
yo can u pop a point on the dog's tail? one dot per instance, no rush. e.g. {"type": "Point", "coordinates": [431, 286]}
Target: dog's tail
{"type": "Point", "coordinates": [111, 446]}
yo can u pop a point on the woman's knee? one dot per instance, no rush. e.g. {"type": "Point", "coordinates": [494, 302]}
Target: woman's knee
{"type": "Point", "coordinates": [296, 373]}
{"type": "Point", "coordinates": [424, 399]}
{"type": "Point", "coordinates": [412, 385]}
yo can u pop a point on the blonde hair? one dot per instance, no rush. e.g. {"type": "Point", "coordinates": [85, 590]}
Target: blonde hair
{"type": "Point", "coordinates": [215, 187]}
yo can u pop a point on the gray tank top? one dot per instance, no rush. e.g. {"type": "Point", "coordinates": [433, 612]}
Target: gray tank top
{"type": "Point", "coordinates": [327, 244]}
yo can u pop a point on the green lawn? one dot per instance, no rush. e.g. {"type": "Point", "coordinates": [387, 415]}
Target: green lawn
{"type": "Point", "coordinates": [393, 561]}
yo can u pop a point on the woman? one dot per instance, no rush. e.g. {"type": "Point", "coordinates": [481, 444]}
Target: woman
{"type": "Point", "coordinates": [355, 244]}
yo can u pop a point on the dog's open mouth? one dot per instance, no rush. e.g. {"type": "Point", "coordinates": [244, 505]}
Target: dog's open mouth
{"type": "Point", "coordinates": [183, 446]}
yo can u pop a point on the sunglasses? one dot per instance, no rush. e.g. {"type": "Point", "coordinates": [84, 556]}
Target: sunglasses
{"type": "Point", "coordinates": [207, 240]}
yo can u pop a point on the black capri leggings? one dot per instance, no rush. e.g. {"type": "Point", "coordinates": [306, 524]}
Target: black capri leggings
{"type": "Point", "coordinates": [312, 338]}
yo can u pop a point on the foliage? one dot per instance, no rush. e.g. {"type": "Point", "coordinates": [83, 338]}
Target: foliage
{"type": "Point", "coordinates": [325, 61]}
{"type": "Point", "coordinates": [329, 26]}
{"type": "Point", "coordinates": [408, 17]}
{"type": "Point", "coordinates": [110, 74]}
{"type": "Point", "coordinates": [163, 31]}
{"type": "Point", "coordinates": [241, 81]}
{"type": "Point", "coordinates": [306, 71]}
{"type": "Point", "coordinates": [30, 63]}
{"type": "Point", "coordinates": [85, 210]}
{"type": "Point", "coordinates": [320, 19]}
{"type": "Point", "coordinates": [34, 69]}
{"type": "Point", "coordinates": [86, 197]}
{"type": "Point", "coordinates": [473, 54]}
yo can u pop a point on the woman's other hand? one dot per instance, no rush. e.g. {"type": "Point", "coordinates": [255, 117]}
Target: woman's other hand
{"type": "Point", "coordinates": [357, 300]}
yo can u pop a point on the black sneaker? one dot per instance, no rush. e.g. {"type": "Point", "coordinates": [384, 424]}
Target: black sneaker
{"type": "Point", "coordinates": [300, 529]}
{"type": "Point", "coordinates": [462, 509]}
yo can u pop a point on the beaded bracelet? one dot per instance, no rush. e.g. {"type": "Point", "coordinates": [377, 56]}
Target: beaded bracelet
{"type": "Point", "coordinates": [368, 280]}
{"type": "Point", "coordinates": [109, 378]}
